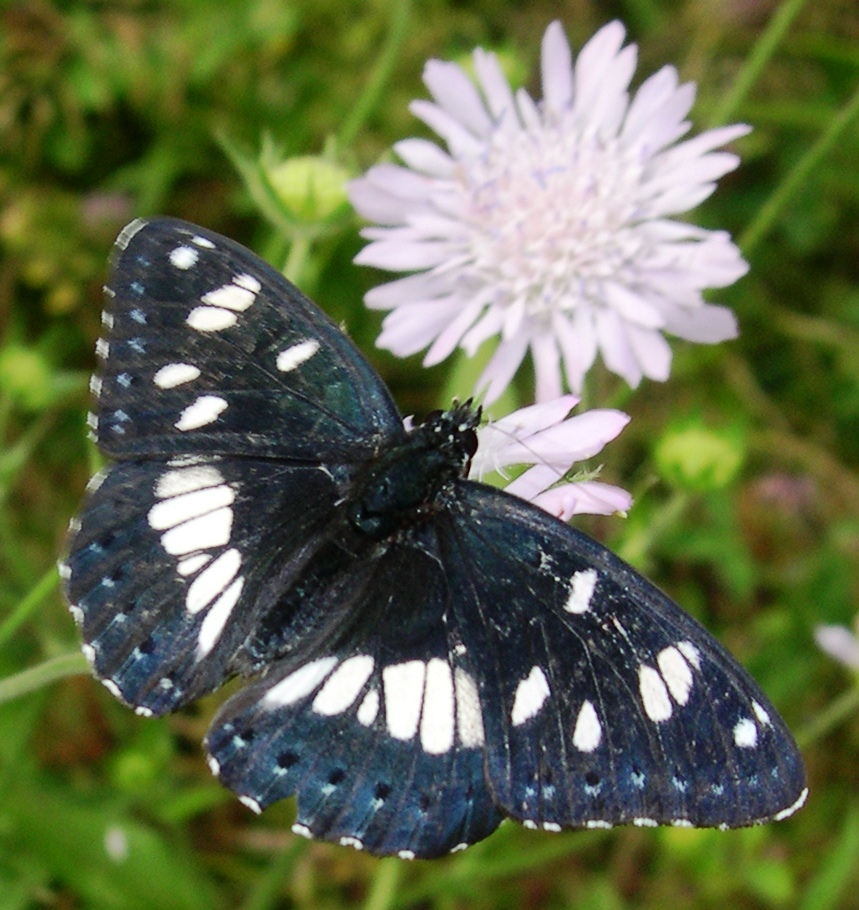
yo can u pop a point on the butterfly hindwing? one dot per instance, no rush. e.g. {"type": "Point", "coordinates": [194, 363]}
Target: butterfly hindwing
{"type": "Point", "coordinates": [381, 736]}
{"type": "Point", "coordinates": [209, 350]}
{"type": "Point", "coordinates": [603, 702]}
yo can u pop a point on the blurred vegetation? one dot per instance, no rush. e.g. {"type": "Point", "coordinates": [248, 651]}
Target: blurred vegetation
{"type": "Point", "coordinates": [110, 110]}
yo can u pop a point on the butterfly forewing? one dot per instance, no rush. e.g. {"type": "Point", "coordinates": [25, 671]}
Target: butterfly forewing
{"type": "Point", "coordinates": [209, 350]}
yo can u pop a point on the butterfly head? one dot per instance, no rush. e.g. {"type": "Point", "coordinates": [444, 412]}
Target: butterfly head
{"type": "Point", "coordinates": [453, 433]}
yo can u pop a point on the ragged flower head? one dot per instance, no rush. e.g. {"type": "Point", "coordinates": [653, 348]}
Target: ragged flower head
{"type": "Point", "coordinates": [544, 437]}
{"type": "Point", "coordinates": [551, 224]}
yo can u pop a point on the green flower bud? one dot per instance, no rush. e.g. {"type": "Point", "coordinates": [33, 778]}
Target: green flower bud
{"type": "Point", "coordinates": [698, 458]}
{"type": "Point", "coordinates": [25, 376]}
{"type": "Point", "coordinates": [310, 188]}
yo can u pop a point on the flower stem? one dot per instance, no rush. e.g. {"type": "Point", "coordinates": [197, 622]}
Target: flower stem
{"type": "Point", "coordinates": [772, 208]}
{"type": "Point", "coordinates": [366, 103]}
{"type": "Point", "coordinates": [385, 882]}
{"type": "Point", "coordinates": [830, 717]}
{"type": "Point", "coordinates": [757, 61]}
{"type": "Point", "coordinates": [33, 678]}
{"type": "Point", "coordinates": [28, 605]}
{"type": "Point", "coordinates": [637, 545]}
{"type": "Point", "coordinates": [296, 259]}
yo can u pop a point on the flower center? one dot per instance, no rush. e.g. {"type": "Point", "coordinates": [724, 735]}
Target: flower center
{"type": "Point", "coordinates": [550, 214]}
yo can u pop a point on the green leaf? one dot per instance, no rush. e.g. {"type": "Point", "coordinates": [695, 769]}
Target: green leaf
{"type": "Point", "coordinates": [108, 859]}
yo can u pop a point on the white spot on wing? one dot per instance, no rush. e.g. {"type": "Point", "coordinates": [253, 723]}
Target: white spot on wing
{"type": "Point", "coordinates": [404, 689]}
{"type": "Point", "coordinates": [213, 580]}
{"type": "Point", "coordinates": [676, 673]}
{"type": "Point", "coordinates": [588, 732]}
{"type": "Point", "coordinates": [174, 374]}
{"type": "Point", "coordinates": [251, 803]}
{"type": "Point", "coordinates": [438, 715]}
{"type": "Point", "coordinates": [190, 564]}
{"type": "Point", "coordinates": [746, 733]}
{"type": "Point", "coordinates": [800, 802]}
{"type": "Point", "coordinates": [211, 319]}
{"type": "Point", "coordinates": [761, 714]}
{"type": "Point", "coordinates": [203, 242]}
{"type": "Point", "coordinates": [469, 718]}
{"type": "Point", "coordinates": [216, 619]}
{"type": "Point", "coordinates": [230, 297]}
{"type": "Point", "coordinates": [654, 695]}
{"type": "Point", "coordinates": [344, 685]}
{"type": "Point", "coordinates": [183, 257]}
{"type": "Point", "coordinates": [177, 509]}
{"type": "Point", "coordinates": [203, 533]}
{"type": "Point", "coordinates": [128, 232]}
{"type": "Point", "coordinates": [298, 684]}
{"type": "Point", "coordinates": [248, 282]}
{"type": "Point", "coordinates": [691, 653]}
{"type": "Point", "coordinates": [187, 479]}
{"type": "Point", "coordinates": [292, 358]}
{"type": "Point", "coordinates": [112, 687]}
{"type": "Point", "coordinates": [369, 708]}
{"type": "Point", "coordinates": [530, 695]}
{"type": "Point", "coordinates": [582, 586]}
{"type": "Point", "coordinates": [203, 411]}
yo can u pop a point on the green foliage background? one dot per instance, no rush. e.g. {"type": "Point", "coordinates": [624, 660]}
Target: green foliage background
{"type": "Point", "coordinates": [112, 110]}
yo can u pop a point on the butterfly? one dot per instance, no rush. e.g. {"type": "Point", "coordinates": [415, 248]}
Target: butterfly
{"type": "Point", "coordinates": [426, 655]}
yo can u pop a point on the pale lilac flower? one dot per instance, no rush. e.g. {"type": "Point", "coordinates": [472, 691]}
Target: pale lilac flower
{"type": "Point", "coordinates": [551, 225]}
{"type": "Point", "coordinates": [839, 642]}
{"type": "Point", "coordinates": [547, 438]}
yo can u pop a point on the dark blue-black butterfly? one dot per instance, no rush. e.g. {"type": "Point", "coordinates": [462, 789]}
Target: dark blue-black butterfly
{"type": "Point", "coordinates": [429, 655]}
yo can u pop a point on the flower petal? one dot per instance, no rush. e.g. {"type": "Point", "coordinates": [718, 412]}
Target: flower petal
{"type": "Point", "coordinates": [840, 643]}
{"type": "Point", "coordinates": [587, 497]}
{"type": "Point", "coordinates": [456, 94]}
{"type": "Point", "coordinates": [556, 68]}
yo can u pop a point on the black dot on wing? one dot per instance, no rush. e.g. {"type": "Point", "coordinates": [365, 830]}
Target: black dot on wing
{"type": "Point", "coordinates": [382, 791]}
{"type": "Point", "coordinates": [336, 776]}
{"type": "Point", "coordinates": [592, 778]}
{"type": "Point", "coordinates": [285, 760]}
{"type": "Point", "coordinates": [115, 577]}
{"type": "Point", "coordinates": [424, 802]}
{"type": "Point", "coordinates": [105, 541]}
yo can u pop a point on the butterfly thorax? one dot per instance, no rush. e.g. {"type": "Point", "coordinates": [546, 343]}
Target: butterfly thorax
{"type": "Point", "coordinates": [404, 482]}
